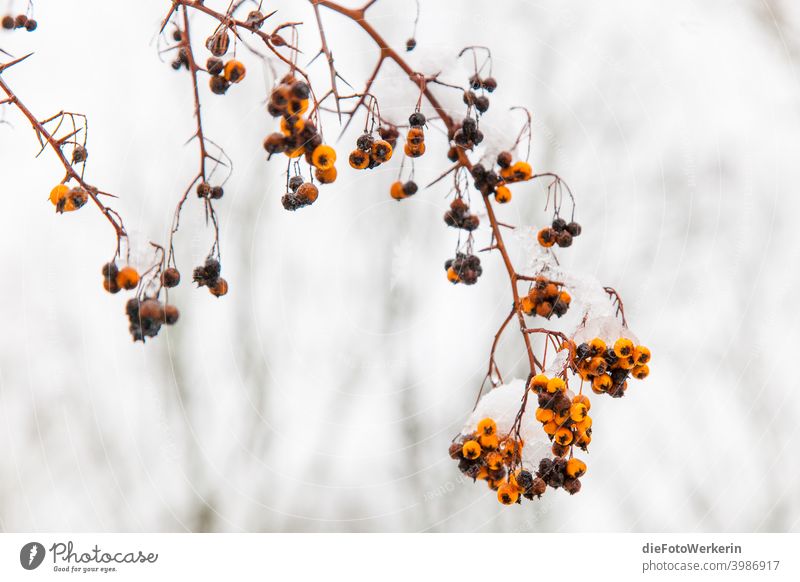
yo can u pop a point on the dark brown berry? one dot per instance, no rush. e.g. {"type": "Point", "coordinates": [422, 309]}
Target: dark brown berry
{"type": "Point", "coordinates": [20, 21]}
{"type": "Point", "coordinates": [559, 224]}
{"type": "Point", "coordinates": [218, 84]}
{"type": "Point", "coordinates": [171, 277]}
{"type": "Point", "coordinates": [410, 188]}
{"type": "Point", "coordinates": [214, 66]}
{"type": "Point", "coordinates": [574, 228]}
{"type": "Point", "coordinates": [203, 190]}
{"type": "Point", "coordinates": [79, 154]}
{"type": "Point", "coordinates": [301, 90]}
{"type": "Point", "coordinates": [411, 44]}
{"type": "Point", "coordinates": [572, 486]}
{"type": "Point", "coordinates": [490, 84]}
{"type": "Point", "coordinates": [218, 43]}
{"type": "Point", "coordinates": [482, 104]}
{"type": "Point", "coordinates": [564, 239]}
{"type": "Point", "coordinates": [171, 314]}
{"type": "Point", "coordinates": [416, 119]}
{"type": "Point", "coordinates": [538, 487]}
{"type": "Point", "coordinates": [8, 22]}
{"type": "Point", "coordinates": [216, 193]}
{"type": "Point", "coordinates": [504, 159]}
{"type": "Point", "coordinates": [275, 143]}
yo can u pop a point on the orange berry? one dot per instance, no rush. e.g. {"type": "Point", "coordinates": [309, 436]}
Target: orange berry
{"type": "Point", "coordinates": [556, 385]}
{"type": "Point", "coordinates": [597, 346]}
{"type": "Point", "coordinates": [502, 194]}
{"type": "Point", "coordinates": [471, 450]}
{"type": "Point", "coordinates": [582, 399]}
{"type": "Point", "coordinates": [521, 171]}
{"type": "Point", "coordinates": [381, 151]}
{"type": "Point", "coordinates": [602, 383]}
{"type": "Point", "coordinates": [623, 347]}
{"type": "Point", "coordinates": [544, 415]}
{"type": "Point", "coordinates": [507, 494]}
{"type": "Point", "coordinates": [640, 372]}
{"type": "Point", "coordinates": [546, 237]}
{"type": "Point", "coordinates": [234, 71]}
{"type": "Point", "coordinates": [487, 427]}
{"type": "Point", "coordinates": [489, 442]}
{"type": "Point", "coordinates": [358, 159]}
{"type": "Point", "coordinates": [326, 176]}
{"type": "Point", "coordinates": [323, 157]}
{"type": "Point", "coordinates": [127, 278]}
{"type": "Point", "coordinates": [452, 276]}
{"type": "Point", "coordinates": [641, 354]}
{"type": "Point", "coordinates": [59, 193]}
{"type": "Point", "coordinates": [539, 383]}
{"type": "Point", "coordinates": [576, 468]}
{"type": "Point", "coordinates": [494, 460]}
{"type": "Point", "coordinates": [563, 436]}
{"type": "Point", "coordinates": [578, 412]}
{"type": "Point", "coordinates": [397, 191]}
{"type": "Point", "coordinates": [527, 306]}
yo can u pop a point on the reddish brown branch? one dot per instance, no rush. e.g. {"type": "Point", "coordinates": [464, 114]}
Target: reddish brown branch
{"type": "Point", "coordinates": [56, 144]}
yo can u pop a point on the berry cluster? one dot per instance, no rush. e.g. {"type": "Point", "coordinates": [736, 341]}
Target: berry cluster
{"type": "Point", "coordinates": [67, 199]}
{"type": "Point", "coordinates": [208, 275]}
{"type": "Point", "coordinates": [560, 233]}
{"type": "Point", "coordinates": [400, 190]}
{"type": "Point", "coordinates": [491, 182]}
{"type": "Point", "coordinates": [465, 268]}
{"type": "Point", "coordinates": [147, 316]}
{"type": "Point", "coordinates": [415, 138]}
{"type": "Point", "coordinates": [301, 193]}
{"type": "Point", "coordinates": [289, 101]}
{"type": "Point", "coordinates": [565, 420]}
{"type": "Point", "coordinates": [545, 299]}
{"type": "Point", "coordinates": [370, 152]}
{"type": "Point", "coordinates": [11, 22]}
{"type": "Point", "coordinates": [483, 455]}
{"type": "Point", "coordinates": [459, 216]}
{"type": "Point", "coordinates": [116, 279]}
{"type": "Point", "coordinates": [488, 84]}
{"type": "Point", "coordinates": [466, 136]}
{"type": "Point", "coordinates": [206, 190]}
{"type": "Point", "coordinates": [560, 472]}
{"type": "Point", "coordinates": [608, 367]}
{"type": "Point", "coordinates": [511, 171]}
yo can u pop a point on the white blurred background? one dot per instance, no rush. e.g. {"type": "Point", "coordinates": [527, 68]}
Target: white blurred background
{"type": "Point", "coordinates": [321, 394]}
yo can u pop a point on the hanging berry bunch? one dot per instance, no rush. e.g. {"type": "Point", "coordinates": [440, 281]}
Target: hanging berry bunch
{"type": "Point", "coordinates": [415, 138]}
{"type": "Point", "coordinates": [608, 367]}
{"type": "Point", "coordinates": [300, 193]}
{"type": "Point", "coordinates": [24, 20]}
{"type": "Point", "coordinates": [146, 316]}
{"type": "Point", "coordinates": [222, 73]}
{"type": "Point", "coordinates": [208, 275]}
{"type": "Point", "coordinates": [376, 145]}
{"type": "Point", "coordinates": [484, 455]}
{"type": "Point", "coordinates": [545, 299]}
{"type": "Point", "coordinates": [465, 268]}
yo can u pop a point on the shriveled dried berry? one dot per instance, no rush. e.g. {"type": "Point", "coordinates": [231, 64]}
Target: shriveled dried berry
{"type": "Point", "coordinates": [171, 277]}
